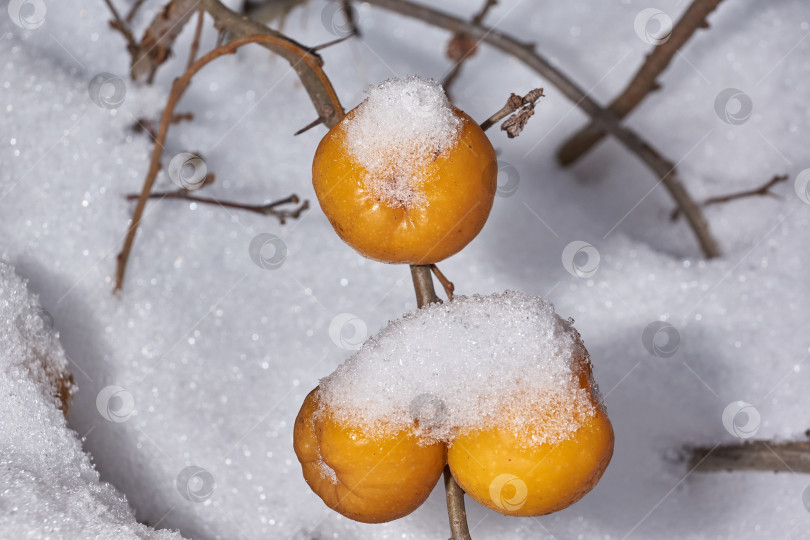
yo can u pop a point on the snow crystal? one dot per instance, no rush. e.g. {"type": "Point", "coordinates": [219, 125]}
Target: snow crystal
{"type": "Point", "coordinates": [506, 359]}
{"type": "Point", "coordinates": [401, 126]}
{"type": "Point", "coordinates": [50, 488]}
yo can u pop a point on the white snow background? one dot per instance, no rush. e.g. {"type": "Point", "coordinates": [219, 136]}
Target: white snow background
{"type": "Point", "coordinates": [218, 353]}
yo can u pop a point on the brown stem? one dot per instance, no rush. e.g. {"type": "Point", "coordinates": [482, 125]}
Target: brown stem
{"type": "Point", "coordinates": [122, 26]}
{"type": "Point", "coordinates": [423, 285]}
{"type": "Point", "coordinates": [306, 63]}
{"type": "Point", "coordinates": [762, 191]}
{"type": "Point", "coordinates": [459, 529]}
{"type": "Point", "coordinates": [195, 44]}
{"type": "Point", "coordinates": [448, 286]}
{"type": "Point", "coordinates": [263, 209]}
{"type": "Point", "coordinates": [466, 49]}
{"type": "Point", "coordinates": [156, 45]}
{"type": "Point", "coordinates": [664, 169]}
{"type": "Point", "coordinates": [178, 88]}
{"type": "Point", "coordinates": [643, 82]}
{"type": "Point", "coordinates": [514, 103]}
{"type": "Point", "coordinates": [426, 294]}
{"type": "Point", "coordinates": [754, 456]}
{"type": "Point", "coordinates": [133, 10]}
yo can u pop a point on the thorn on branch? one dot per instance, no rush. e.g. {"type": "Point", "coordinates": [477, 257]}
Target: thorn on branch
{"type": "Point", "coordinates": [523, 109]}
{"type": "Point", "coordinates": [309, 126]}
{"type": "Point", "coordinates": [762, 191]}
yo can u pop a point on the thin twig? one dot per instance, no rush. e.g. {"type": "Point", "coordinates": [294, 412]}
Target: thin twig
{"type": "Point", "coordinates": [664, 169]}
{"type": "Point", "coordinates": [514, 103]}
{"type": "Point", "coordinates": [328, 44]}
{"type": "Point", "coordinates": [178, 89]}
{"type": "Point", "coordinates": [461, 47]}
{"type": "Point", "coordinates": [122, 26]}
{"type": "Point", "coordinates": [269, 209]}
{"type": "Point", "coordinates": [762, 191]}
{"type": "Point", "coordinates": [753, 456]}
{"type": "Point", "coordinates": [448, 286]}
{"type": "Point", "coordinates": [195, 44]}
{"type": "Point", "coordinates": [643, 82]}
{"type": "Point", "coordinates": [426, 294]}
{"type": "Point", "coordinates": [148, 126]}
{"type": "Point", "coordinates": [133, 10]}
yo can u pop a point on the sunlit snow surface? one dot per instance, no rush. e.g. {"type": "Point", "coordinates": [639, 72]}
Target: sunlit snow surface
{"type": "Point", "coordinates": [217, 344]}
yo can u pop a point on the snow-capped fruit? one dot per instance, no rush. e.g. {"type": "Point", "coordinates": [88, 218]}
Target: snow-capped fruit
{"type": "Point", "coordinates": [501, 469]}
{"type": "Point", "coordinates": [365, 477]}
{"type": "Point", "coordinates": [418, 198]}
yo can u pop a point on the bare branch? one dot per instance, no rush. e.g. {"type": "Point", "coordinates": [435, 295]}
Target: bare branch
{"type": "Point", "coordinates": [134, 10]}
{"type": "Point", "coordinates": [664, 169]}
{"type": "Point", "coordinates": [270, 209]}
{"type": "Point", "coordinates": [753, 456]}
{"type": "Point", "coordinates": [156, 45]}
{"type": "Point", "coordinates": [461, 46]}
{"type": "Point", "coordinates": [195, 44]}
{"type": "Point", "coordinates": [304, 61]}
{"type": "Point", "coordinates": [302, 56]}
{"type": "Point", "coordinates": [122, 26]}
{"type": "Point", "coordinates": [643, 82]}
{"type": "Point", "coordinates": [762, 191]}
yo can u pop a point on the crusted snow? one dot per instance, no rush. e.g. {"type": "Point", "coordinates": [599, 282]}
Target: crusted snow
{"type": "Point", "coordinates": [401, 125]}
{"type": "Point", "coordinates": [48, 486]}
{"type": "Point", "coordinates": [502, 360]}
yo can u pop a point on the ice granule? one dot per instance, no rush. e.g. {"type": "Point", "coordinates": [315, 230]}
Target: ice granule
{"type": "Point", "coordinates": [506, 359]}
{"type": "Point", "coordinates": [401, 125]}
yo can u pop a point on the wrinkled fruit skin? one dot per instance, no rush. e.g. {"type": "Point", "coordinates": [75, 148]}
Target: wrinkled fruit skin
{"type": "Point", "coordinates": [459, 186]}
{"type": "Point", "coordinates": [497, 469]}
{"type": "Point", "coordinates": [379, 479]}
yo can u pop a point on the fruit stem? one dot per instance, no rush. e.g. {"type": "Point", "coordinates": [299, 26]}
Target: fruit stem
{"type": "Point", "coordinates": [455, 508]}
{"type": "Point", "coordinates": [423, 285]}
{"type": "Point", "coordinates": [459, 530]}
